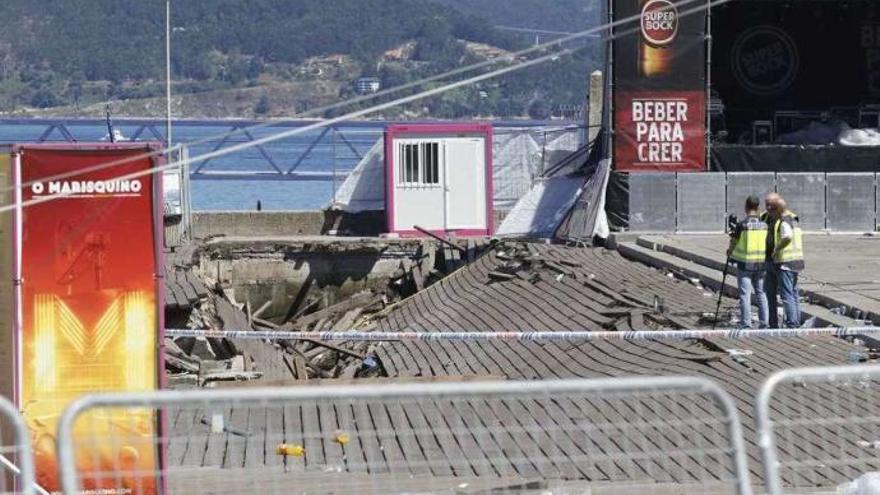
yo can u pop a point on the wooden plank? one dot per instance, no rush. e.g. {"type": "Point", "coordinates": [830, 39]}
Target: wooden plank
{"type": "Point", "coordinates": [170, 300]}
{"type": "Point", "coordinates": [255, 455]}
{"type": "Point", "coordinates": [197, 284]}
{"type": "Point", "coordinates": [293, 435]}
{"type": "Point", "coordinates": [552, 439]}
{"type": "Point", "coordinates": [187, 289]}
{"type": "Point", "coordinates": [586, 443]}
{"type": "Point", "coordinates": [180, 429]}
{"type": "Point", "coordinates": [419, 276]}
{"type": "Point", "coordinates": [512, 433]}
{"type": "Point", "coordinates": [353, 450]}
{"type": "Point", "coordinates": [259, 311]}
{"type": "Point", "coordinates": [312, 435]}
{"type": "Point", "coordinates": [197, 441]}
{"type": "Point", "coordinates": [333, 455]}
{"type": "Point", "coordinates": [368, 438]}
{"type": "Point", "coordinates": [465, 460]}
{"type": "Point", "coordinates": [217, 442]}
{"type": "Point", "coordinates": [360, 299]}
{"type": "Point", "coordinates": [435, 457]}
{"type": "Point", "coordinates": [235, 444]}
{"type": "Point", "coordinates": [407, 439]}
{"type": "Point", "coordinates": [474, 426]}
{"type": "Point", "coordinates": [387, 437]}
{"type": "Point", "coordinates": [299, 365]}
{"type": "Point", "coordinates": [180, 296]}
{"type": "Point", "coordinates": [603, 448]}
{"type": "Point", "coordinates": [274, 434]}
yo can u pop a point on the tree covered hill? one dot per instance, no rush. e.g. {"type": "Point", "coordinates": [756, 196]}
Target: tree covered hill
{"type": "Point", "coordinates": [72, 53]}
{"type": "Point", "coordinates": [560, 15]}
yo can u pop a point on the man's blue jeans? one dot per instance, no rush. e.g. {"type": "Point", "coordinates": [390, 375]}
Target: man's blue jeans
{"type": "Point", "coordinates": [748, 282]}
{"type": "Point", "coordinates": [785, 284]}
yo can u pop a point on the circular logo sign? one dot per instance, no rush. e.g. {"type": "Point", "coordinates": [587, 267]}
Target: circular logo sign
{"type": "Point", "coordinates": [659, 22]}
{"type": "Point", "coordinates": [765, 60]}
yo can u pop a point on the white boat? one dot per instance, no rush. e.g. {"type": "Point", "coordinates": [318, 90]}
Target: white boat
{"type": "Point", "coordinates": [117, 136]}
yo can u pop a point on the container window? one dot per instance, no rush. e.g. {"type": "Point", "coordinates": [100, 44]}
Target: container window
{"type": "Point", "coordinates": [419, 164]}
{"type": "Point", "coordinates": [431, 152]}
{"type": "Point", "coordinates": [409, 163]}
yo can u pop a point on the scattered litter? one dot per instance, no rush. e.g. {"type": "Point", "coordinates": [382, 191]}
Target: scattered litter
{"type": "Point", "coordinates": [857, 356]}
{"type": "Point", "coordinates": [739, 355]}
{"type": "Point", "coordinates": [739, 352]}
{"type": "Point", "coordinates": [340, 437]}
{"type": "Point", "coordinates": [294, 450]}
{"type": "Point", "coordinates": [520, 260]}
{"type": "Point", "coordinates": [216, 423]}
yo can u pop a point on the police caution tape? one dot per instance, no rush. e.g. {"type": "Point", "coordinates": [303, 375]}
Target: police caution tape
{"type": "Point", "coordinates": [574, 336]}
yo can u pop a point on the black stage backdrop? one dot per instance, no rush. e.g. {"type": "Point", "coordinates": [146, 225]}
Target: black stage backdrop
{"type": "Point", "coordinates": [795, 159]}
{"type": "Point", "coordinates": [803, 55]}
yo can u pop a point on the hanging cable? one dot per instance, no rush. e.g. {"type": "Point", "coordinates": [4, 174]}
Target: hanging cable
{"type": "Point", "coordinates": [353, 115]}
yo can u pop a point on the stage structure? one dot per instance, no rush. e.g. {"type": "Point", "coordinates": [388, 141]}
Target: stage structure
{"type": "Point", "coordinates": [750, 86]}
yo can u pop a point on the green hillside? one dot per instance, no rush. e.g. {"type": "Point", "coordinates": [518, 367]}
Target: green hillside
{"type": "Point", "coordinates": [559, 15]}
{"type": "Point", "coordinates": [73, 55]}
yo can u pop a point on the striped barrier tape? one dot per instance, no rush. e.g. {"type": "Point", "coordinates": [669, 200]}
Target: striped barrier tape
{"type": "Point", "coordinates": [352, 336]}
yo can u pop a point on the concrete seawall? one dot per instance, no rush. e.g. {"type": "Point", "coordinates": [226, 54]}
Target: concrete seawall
{"type": "Point", "coordinates": [258, 224]}
{"type": "Point", "coordinates": [291, 223]}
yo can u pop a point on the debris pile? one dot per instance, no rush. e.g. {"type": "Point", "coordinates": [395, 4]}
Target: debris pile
{"type": "Point", "coordinates": [631, 305]}
{"type": "Point", "coordinates": [205, 361]}
{"type": "Point", "coordinates": [522, 261]}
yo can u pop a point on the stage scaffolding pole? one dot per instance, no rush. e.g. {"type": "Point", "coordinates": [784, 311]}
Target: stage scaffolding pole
{"type": "Point", "coordinates": [708, 83]}
{"type": "Point", "coordinates": [609, 86]}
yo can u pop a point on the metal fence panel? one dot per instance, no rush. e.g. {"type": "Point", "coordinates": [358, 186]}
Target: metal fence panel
{"type": "Point", "coordinates": [700, 202]}
{"type": "Point", "coordinates": [553, 436]}
{"type": "Point", "coordinates": [805, 195]}
{"type": "Point", "coordinates": [818, 427]}
{"type": "Point", "coordinates": [851, 202]}
{"type": "Point", "coordinates": [16, 457]}
{"type": "Point", "coordinates": [741, 185]}
{"type": "Point", "coordinates": [652, 202]}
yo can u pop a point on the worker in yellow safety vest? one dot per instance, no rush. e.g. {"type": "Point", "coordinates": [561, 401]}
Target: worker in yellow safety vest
{"type": "Point", "coordinates": [785, 260]}
{"type": "Point", "coordinates": [748, 245]}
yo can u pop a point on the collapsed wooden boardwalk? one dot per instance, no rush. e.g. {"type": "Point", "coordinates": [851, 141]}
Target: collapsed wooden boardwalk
{"type": "Point", "coordinates": [581, 439]}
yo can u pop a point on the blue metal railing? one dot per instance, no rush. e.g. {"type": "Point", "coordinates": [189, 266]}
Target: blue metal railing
{"type": "Point", "coordinates": [328, 154]}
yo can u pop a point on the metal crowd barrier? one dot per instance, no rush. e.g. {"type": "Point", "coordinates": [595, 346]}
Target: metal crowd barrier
{"type": "Point", "coordinates": [700, 201]}
{"type": "Point", "coordinates": [16, 457]}
{"type": "Point", "coordinates": [492, 436]}
{"type": "Point", "coordinates": [819, 428]}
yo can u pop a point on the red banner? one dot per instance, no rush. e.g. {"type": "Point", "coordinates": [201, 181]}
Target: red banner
{"type": "Point", "coordinates": [89, 310]}
{"type": "Point", "coordinates": [660, 131]}
{"type": "Point", "coordinates": [660, 86]}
